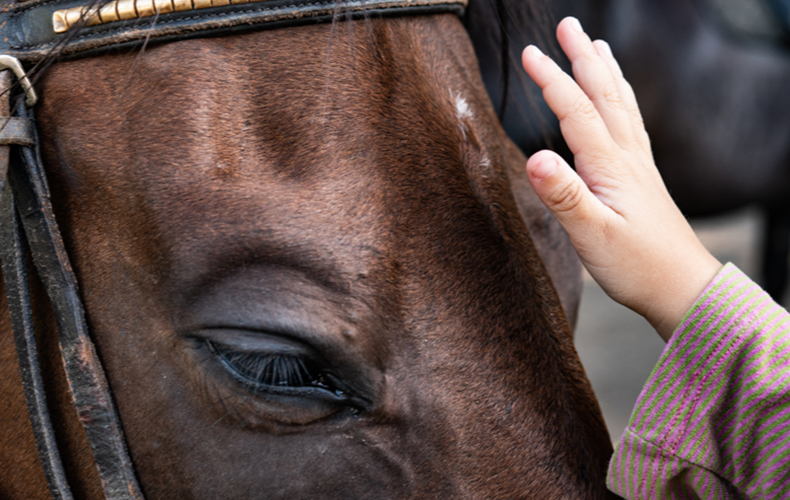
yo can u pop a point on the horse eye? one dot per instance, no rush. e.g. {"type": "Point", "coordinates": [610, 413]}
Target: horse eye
{"type": "Point", "coordinates": [262, 372]}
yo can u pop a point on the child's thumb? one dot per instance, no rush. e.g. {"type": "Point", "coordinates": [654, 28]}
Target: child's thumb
{"type": "Point", "coordinates": [561, 190]}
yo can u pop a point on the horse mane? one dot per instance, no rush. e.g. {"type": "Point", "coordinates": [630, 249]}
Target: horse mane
{"type": "Point", "coordinates": [500, 29]}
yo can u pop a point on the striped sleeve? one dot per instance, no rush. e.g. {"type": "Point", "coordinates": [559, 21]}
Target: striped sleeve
{"type": "Point", "coordinates": [713, 420]}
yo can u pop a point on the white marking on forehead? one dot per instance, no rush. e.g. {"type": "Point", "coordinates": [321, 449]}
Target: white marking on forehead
{"type": "Point", "coordinates": [462, 110]}
{"type": "Point", "coordinates": [484, 167]}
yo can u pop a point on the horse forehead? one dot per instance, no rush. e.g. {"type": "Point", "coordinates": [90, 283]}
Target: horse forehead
{"type": "Point", "coordinates": [221, 124]}
{"type": "Point", "coordinates": [284, 94]}
{"type": "Point", "coordinates": [228, 152]}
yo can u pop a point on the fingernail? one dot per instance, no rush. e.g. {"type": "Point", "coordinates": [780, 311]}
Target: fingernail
{"type": "Point", "coordinates": [576, 25]}
{"type": "Point", "coordinates": [606, 48]}
{"type": "Point", "coordinates": [544, 169]}
{"type": "Point", "coordinates": [536, 52]}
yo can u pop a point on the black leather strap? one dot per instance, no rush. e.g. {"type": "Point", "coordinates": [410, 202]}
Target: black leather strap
{"type": "Point", "coordinates": [28, 34]}
{"type": "Point", "coordinates": [15, 275]}
{"type": "Point", "coordinates": [17, 131]}
{"type": "Point", "coordinates": [90, 392]}
{"type": "Point", "coordinates": [12, 257]}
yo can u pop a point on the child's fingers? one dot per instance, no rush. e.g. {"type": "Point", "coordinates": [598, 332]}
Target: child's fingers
{"type": "Point", "coordinates": [594, 76]}
{"type": "Point", "coordinates": [582, 126]}
{"type": "Point", "coordinates": [566, 195]}
{"type": "Point", "coordinates": [626, 92]}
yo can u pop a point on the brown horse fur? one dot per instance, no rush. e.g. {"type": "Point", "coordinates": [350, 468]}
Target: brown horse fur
{"type": "Point", "coordinates": [356, 204]}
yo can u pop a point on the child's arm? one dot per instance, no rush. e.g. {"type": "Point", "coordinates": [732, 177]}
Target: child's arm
{"type": "Point", "coordinates": [713, 420]}
{"type": "Point", "coordinates": [617, 212]}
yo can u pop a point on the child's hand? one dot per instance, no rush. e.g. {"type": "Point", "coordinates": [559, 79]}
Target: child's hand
{"type": "Point", "coordinates": [627, 230]}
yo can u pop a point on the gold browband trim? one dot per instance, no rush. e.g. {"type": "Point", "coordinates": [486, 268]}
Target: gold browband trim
{"type": "Point", "coordinates": [122, 10]}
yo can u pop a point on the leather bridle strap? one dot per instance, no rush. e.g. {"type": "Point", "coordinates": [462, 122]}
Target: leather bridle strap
{"type": "Point", "coordinates": [14, 262]}
{"type": "Point", "coordinates": [12, 256]}
{"type": "Point", "coordinates": [31, 29]}
{"type": "Point", "coordinates": [26, 201]}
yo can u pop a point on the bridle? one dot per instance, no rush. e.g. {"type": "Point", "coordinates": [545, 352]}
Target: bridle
{"type": "Point", "coordinates": [29, 32]}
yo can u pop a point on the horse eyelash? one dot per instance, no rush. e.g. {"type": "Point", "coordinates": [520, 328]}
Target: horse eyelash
{"type": "Point", "coordinates": [260, 371]}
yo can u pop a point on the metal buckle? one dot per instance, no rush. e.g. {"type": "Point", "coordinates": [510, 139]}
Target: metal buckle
{"type": "Point", "coordinates": [12, 63]}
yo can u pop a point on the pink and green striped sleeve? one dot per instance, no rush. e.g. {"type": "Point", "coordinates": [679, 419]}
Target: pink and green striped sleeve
{"type": "Point", "coordinates": [713, 421]}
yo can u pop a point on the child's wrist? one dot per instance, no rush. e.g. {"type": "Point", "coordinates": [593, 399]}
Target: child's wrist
{"type": "Point", "coordinates": [684, 287]}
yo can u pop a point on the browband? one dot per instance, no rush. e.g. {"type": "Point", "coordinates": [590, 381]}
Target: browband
{"type": "Point", "coordinates": [30, 30]}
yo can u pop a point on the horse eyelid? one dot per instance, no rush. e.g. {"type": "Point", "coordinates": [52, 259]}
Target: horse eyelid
{"type": "Point", "coordinates": [261, 371]}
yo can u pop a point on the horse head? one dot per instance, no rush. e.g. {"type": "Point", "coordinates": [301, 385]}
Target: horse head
{"type": "Point", "coordinates": [311, 264]}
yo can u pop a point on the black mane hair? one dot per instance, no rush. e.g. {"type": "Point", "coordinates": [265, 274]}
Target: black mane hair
{"type": "Point", "coordinates": [500, 29]}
